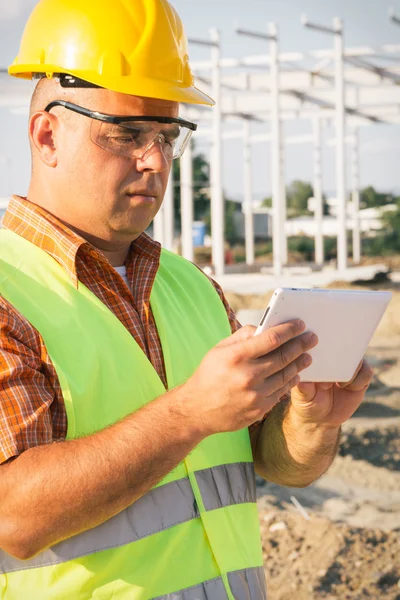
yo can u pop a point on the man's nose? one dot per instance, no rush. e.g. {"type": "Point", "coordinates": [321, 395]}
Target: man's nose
{"type": "Point", "coordinates": [154, 156]}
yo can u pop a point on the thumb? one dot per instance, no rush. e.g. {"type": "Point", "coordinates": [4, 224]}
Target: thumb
{"type": "Point", "coordinates": [304, 392]}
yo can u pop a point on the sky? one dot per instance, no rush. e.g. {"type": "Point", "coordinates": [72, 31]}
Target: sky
{"type": "Point", "coordinates": [366, 24]}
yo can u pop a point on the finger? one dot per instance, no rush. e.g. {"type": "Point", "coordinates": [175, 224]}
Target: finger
{"type": "Point", "coordinates": [346, 384]}
{"type": "Point", "coordinates": [286, 354]}
{"type": "Point", "coordinates": [280, 379]}
{"type": "Point", "coordinates": [307, 390]}
{"type": "Point", "coordinates": [362, 380]}
{"type": "Point", "coordinates": [271, 400]}
{"type": "Point", "coordinates": [272, 338]}
{"type": "Point", "coordinates": [325, 385]}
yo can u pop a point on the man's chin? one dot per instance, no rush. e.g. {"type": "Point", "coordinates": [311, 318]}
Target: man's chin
{"type": "Point", "coordinates": [129, 232]}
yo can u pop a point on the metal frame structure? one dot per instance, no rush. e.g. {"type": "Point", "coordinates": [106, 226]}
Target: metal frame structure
{"type": "Point", "coordinates": [337, 32]}
{"type": "Point", "coordinates": [320, 95]}
{"type": "Point", "coordinates": [352, 87]}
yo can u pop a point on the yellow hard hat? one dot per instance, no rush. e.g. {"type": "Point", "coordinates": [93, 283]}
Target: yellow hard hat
{"type": "Point", "coordinates": [135, 47]}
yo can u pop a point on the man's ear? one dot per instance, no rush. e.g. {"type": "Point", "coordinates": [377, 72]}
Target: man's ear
{"type": "Point", "coordinates": [42, 129]}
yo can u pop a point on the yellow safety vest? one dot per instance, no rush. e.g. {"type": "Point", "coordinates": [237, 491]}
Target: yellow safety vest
{"type": "Point", "coordinates": [195, 535]}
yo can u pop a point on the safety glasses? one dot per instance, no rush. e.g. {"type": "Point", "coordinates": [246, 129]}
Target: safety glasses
{"type": "Point", "coordinates": [134, 137]}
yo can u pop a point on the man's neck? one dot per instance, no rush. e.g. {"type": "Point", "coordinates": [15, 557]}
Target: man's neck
{"type": "Point", "coordinates": [116, 255]}
{"type": "Point", "coordinates": [117, 258]}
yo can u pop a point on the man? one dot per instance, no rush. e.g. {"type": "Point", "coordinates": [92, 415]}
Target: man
{"type": "Point", "coordinates": [125, 402]}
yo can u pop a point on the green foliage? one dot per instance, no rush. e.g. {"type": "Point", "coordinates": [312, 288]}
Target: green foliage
{"type": "Point", "coordinates": [260, 250]}
{"type": "Point", "coordinates": [267, 202]}
{"type": "Point", "coordinates": [230, 227]}
{"type": "Point", "coordinates": [325, 206]}
{"type": "Point", "coordinates": [297, 195]}
{"type": "Point", "coordinates": [370, 198]}
{"type": "Point", "coordinates": [201, 197]}
{"type": "Point", "coordinates": [302, 245]}
{"type": "Point", "coordinates": [201, 178]}
{"type": "Point", "coordinates": [305, 246]}
{"type": "Point", "coordinates": [330, 248]}
{"type": "Point", "coordinates": [388, 241]}
{"type": "Point", "coordinates": [376, 246]}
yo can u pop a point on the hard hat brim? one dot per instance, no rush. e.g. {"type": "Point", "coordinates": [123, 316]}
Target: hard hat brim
{"type": "Point", "coordinates": [162, 90]}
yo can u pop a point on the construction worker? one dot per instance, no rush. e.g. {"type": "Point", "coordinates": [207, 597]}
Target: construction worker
{"type": "Point", "coordinates": [131, 418]}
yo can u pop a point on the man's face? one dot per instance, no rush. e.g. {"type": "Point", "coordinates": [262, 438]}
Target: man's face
{"type": "Point", "coordinates": [109, 197]}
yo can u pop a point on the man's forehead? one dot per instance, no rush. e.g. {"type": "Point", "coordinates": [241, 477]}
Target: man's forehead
{"type": "Point", "coordinates": [124, 104]}
{"type": "Point", "coordinates": [107, 101]}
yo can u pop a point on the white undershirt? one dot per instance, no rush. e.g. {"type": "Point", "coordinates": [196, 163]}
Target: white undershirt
{"type": "Point", "coordinates": [122, 271]}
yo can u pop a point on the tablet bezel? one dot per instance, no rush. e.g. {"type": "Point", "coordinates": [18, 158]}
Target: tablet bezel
{"type": "Point", "coordinates": [344, 320]}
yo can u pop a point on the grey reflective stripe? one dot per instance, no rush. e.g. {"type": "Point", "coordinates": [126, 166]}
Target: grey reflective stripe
{"type": "Point", "coordinates": [159, 509]}
{"type": "Point", "coordinates": [227, 484]}
{"type": "Point", "coordinates": [248, 584]}
{"type": "Point", "coordinates": [213, 589]}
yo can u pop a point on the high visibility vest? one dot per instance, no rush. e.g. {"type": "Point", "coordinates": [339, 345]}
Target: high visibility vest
{"type": "Point", "coordinates": [195, 535]}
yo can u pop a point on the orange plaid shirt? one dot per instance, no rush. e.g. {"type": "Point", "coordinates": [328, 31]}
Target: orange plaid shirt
{"type": "Point", "coordinates": [32, 410]}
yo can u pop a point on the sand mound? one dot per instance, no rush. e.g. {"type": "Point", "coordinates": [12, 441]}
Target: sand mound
{"type": "Point", "coordinates": [315, 559]}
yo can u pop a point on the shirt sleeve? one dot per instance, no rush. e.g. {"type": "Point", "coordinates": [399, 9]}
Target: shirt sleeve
{"type": "Point", "coordinates": [28, 389]}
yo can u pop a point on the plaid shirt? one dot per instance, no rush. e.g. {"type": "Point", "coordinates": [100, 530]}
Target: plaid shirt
{"type": "Point", "coordinates": [32, 410]}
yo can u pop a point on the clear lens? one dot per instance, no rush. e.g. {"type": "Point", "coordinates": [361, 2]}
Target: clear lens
{"type": "Point", "coordinates": [134, 139]}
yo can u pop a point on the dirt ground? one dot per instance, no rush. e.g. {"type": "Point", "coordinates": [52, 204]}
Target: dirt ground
{"type": "Point", "coordinates": [345, 543]}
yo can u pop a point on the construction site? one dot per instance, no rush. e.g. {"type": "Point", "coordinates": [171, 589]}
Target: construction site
{"type": "Point", "coordinates": [340, 537]}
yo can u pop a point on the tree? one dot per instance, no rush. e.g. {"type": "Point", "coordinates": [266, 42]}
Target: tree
{"type": "Point", "coordinates": [267, 202]}
{"type": "Point", "coordinates": [201, 197]}
{"type": "Point", "coordinates": [230, 231]}
{"type": "Point", "coordinates": [387, 241]}
{"type": "Point", "coordinates": [370, 198]}
{"type": "Point", "coordinates": [298, 193]}
{"type": "Point", "coordinates": [391, 222]}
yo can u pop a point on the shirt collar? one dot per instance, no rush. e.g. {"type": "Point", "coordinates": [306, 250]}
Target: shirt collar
{"type": "Point", "coordinates": [43, 229]}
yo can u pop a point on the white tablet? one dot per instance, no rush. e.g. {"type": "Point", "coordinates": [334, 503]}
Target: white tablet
{"type": "Point", "coordinates": [343, 320]}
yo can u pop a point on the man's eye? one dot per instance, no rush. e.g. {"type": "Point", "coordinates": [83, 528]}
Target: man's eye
{"type": "Point", "coordinates": [125, 134]}
{"type": "Point", "coordinates": [171, 136]}
{"type": "Point", "coordinates": [121, 139]}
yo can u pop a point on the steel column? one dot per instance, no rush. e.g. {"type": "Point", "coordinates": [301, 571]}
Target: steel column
{"type": "Point", "coordinates": [248, 194]}
{"type": "Point", "coordinates": [276, 147]}
{"type": "Point", "coordinates": [169, 214]}
{"type": "Point", "coordinates": [187, 203]}
{"type": "Point", "coordinates": [217, 196]}
{"type": "Point", "coordinates": [355, 172]}
{"type": "Point", "coordinates": [340, 147]}
{"type": "Point", "coordinates": [319, 239]}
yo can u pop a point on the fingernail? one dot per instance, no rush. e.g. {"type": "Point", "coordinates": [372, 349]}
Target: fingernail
{"type": "Point", "coordinates": [307, 360]}
{"type": "Point", "coordinates": [301, 324]}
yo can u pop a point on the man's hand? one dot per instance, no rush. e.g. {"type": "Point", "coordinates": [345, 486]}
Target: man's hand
{"type": "Point", "coordinates": [330, 404]}
{"type": "Point", "coordinates": [244, 376]}
{"type": "Point", "coordinates": [299, 439]}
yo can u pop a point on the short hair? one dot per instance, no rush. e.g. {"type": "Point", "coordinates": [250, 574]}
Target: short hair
{"type": "Point", "coordinates": [45, 91]}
